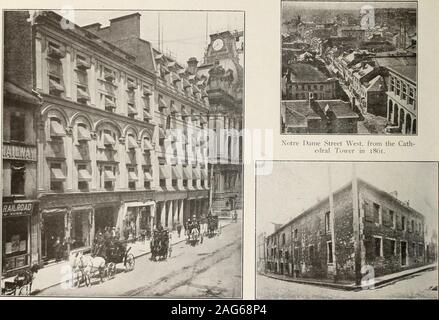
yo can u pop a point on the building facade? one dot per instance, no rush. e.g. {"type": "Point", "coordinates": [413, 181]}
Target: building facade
{"type": "Point", "coordinates": [402, 98]}
{"type": "Point", "coordinates": [115, 134]}
{"type": "Point", "coordinates": [323, 242]}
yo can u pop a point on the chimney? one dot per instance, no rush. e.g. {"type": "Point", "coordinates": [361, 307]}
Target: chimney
{"type": "Point", "coordinates": [125, 27]}
{"type": "Point", "coordinates": [394, 193]}
{"type": "Point", "coordinates": [192, 65]}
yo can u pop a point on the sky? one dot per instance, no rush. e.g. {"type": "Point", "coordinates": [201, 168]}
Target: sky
{"type": "Point", "coordinates": [184, 32]}
{"type": "Point", "coordinates": [298, 185]}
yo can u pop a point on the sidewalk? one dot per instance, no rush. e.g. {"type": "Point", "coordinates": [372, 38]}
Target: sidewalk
{"type": "Point", "coordinates": [379, 281]}
{"type": "Point", "coordinates": [56, 273]}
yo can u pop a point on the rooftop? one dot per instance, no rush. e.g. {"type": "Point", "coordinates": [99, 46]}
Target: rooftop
{"type": "Point", "coordinates": [304, 72]}
{"type": "Point", "coordinates": [408, 71]}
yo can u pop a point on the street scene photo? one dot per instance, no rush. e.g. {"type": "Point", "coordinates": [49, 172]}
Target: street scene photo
{"type": "Point", "coordinates": [347, 230]}
{"type": "Point", "coordinates": [349, 68]}
{"type": "Point", "coordinates": [122, 153]}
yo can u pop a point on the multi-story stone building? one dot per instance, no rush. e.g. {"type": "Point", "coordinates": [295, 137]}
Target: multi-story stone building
{"type": "Point", "coordinates": [120, 135]}
{"type": "Point", "coordinates": [358, 226]}
{"type": "Point", "coordinates": [401, 98]}
{"type": "Point", "coordinates": [20, 106]}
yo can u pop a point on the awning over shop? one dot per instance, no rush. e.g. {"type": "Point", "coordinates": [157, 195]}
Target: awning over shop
{"type": "Point", "coordinates": [56, 174]}
{"type": "Point", "coordinates": [109, 140]}
{"type": "Point", "coordinates": [162, 103]}
{"type": "Point", "coordinates": [132, 176]}
{"type": "Point", "coordinates": [196, 174]}
{"type": "Point", "coordinates": [162, 133]}
{"type": "Point", "coordinates": [109, 175]}
{"type": "Point", "coordinates": [176, 174]}
{"type": "Point", "coordinates": [164, 172]}
{"type": "Point", "coordinates": [186, 173]}
{"type": "Point", "coordinates": [132, 143]}
{"type": "Point", "coordinates": [147, 145]}
{"type": "Point", "coordinates": [83, 134]}
{"type": "Point", "coordinates": [132, 109]}
{"type": "Point", "coordinates": [84, 175]}
{"type": "Point", "coordinates": [56, 129]}
{"type": "Point", "coordinates": [147, 176]}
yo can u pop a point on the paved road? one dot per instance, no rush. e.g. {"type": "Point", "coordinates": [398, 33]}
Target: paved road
{"type": "Point", "coordinates": [415, 287]}
{"type": "Point", "coordinates": [211, 269]}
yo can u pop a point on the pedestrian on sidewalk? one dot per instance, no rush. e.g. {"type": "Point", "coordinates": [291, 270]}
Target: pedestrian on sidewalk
{"type": "Point", "coordinates": [179, 229]}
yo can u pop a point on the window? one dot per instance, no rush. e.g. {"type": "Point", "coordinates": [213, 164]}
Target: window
{"type": "Point", "coordinates": [378, 246]}
{"type": "Point", "coordinates": [404, 91]}
{"type": "Point", "coordinates": [162, 183]}
{"type": "Point", "coordinates": [392, 247]}
{"type": "Point", "coordinates": [377, 213]}
{"type": "Point", "coordinates": [327, 221]}
{"type": "Point", "coordinates": [109, 177]}
{"type": "Point", "coordinates": [17, 125]}
{"type": "Point", "coordinates": [403, 223]}
{"type": "Point", "coordinates": [295, 234]}
{"type": "Point", "coordinates": [185, 183]}
{"type": "Point", "coordinates": [174, 183]}
{"type": "Point", "coordinates": [283, 239]}
{"type": "Point", "coordinates": [83, 177]}
{"type": "Point", "coordinates": [392, 218]}
{"type": "Point", "coordinates": [110, 103]}
{"type": "Point", "coordinates": [329, 252]}
{"type": "Point", "coordinates": [414, 249]}
{"type": "Point", "coordinates": [398, 87]}
{"type": "Point", "coordinates": [18, 171]}
{"type": "Point", "coordinates": [411, 98]}
{"type": "Point", "coordinates": [147, 184]}
{"type": "Point", "coordinates": [412, 229]}
{"type": "Point", "coordinates": [311, 252]}
{"type": "Point", "coordinates": [108, 185]}
{"type": "Point", "coordinates": [194, 183]}
{"type": "Point", "coordinates": [132, 185]}
{"type": "Point", "coordinates": [82, 94]}
{"type": "Point", "coordinates": [56, 177]}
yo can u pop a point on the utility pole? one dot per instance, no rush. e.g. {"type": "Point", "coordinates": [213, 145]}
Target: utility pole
{"type": "Point", "coordinates": [332, 222]}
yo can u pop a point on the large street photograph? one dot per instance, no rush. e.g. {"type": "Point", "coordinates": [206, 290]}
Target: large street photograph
{"type": "Point", "coordinates": [349, 67]}
{"type": "Point", "coordinates": [347, 230]}
{"type": "Point", "coordinates": [122, 153]}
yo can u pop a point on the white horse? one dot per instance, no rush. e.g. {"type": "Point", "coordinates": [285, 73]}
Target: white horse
{"type": "Point", "coordinates": [89, 265]}
{"type": "Point", "coordinates": [74, 268]}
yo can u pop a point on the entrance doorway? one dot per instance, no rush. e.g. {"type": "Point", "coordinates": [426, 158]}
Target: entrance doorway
{"type": "Point", "coordinates": [52, 237]}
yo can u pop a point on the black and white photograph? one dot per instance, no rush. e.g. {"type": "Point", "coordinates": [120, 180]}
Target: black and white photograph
{"type": "Point", "coordinates": [122, 153]}
{"type": "Point", "coordinates": [347, 230]}
{"type": "Point", "coordinates": [349, 67]}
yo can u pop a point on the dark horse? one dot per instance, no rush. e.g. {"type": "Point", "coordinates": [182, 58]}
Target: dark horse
{"type": "Point", "coordinates": [22, 282]}
{"type": "Point", "coordinates": [159, 246]}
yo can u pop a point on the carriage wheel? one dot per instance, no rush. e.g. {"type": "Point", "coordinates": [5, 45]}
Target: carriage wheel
{"type": "Point", "coordinates": [130, 262]}
{"type": "Point", "coordinates": [111, 270]}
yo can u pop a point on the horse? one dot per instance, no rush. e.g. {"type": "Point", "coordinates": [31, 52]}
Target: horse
{"type": "Point", "coordinates": [74, 268]}
{"type": "Point", "coordinates": [88, 265]}
{"type": "Point", "coordinates": [193, 237]}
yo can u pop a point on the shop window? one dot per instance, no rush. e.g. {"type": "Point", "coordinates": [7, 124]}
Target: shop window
{"type": "Point", "coordinates": [18, 171]}
{"type": "Point", "coordinates": [17, 125]}
{"type": "Point", "coordinates": [15, 242]}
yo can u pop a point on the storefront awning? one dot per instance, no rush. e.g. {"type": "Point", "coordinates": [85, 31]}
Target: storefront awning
{"type": "Point", "coordinates": [164, 172]}
{"type": "Point", "coordinates": [109, 140]}
{"type": "Point", "coordinates": [56, 174]}
{"type": "Point", "coordinates": [196, 174]}
{"type": "Point", "coordinates": [147, 176]}
{"type": "Point", "coordinates": [109, 175]}
{"type": "Point", "coordinates": [132, 143]}
{"type": "Point", "coordinates": [132, 176]}
{"type": "Point", "coordinates": [83, 134]}
{"type": "Point", "coordinates": [132, 109]}
{"type": "Point", "coordinates": [176, 174]}
{"type": "Point", "coordinates": [84, 175]}
{"type": "Point", "coordinates": [147, 145]}
{"type": "Point", "coordinates": [56, 129]}
{"type": "Point", "coordinates": [162, 133]}
{"type": "Point", "coordinates": [186, 173]}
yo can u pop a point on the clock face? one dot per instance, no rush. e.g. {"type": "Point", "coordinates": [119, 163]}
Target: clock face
{"type": "Point", "coordinates": [218, 44]}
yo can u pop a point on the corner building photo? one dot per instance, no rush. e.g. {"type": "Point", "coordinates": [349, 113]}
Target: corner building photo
{"type": "Point", "coordinates": [102, 130]}
{"type": "Point", "coordinates": [355, 232]}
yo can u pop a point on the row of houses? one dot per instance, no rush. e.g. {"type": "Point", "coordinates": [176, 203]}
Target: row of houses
{"type": "Point", "coordinates": [102, 130]}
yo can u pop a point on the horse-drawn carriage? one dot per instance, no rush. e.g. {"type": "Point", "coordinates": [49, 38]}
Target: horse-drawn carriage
{"type": "Point", "coordinates": [212, 226]}
{"type": "Point", "coordinates": [159, 244]}
{"type": "Point", "coordinates": [103, 261]}
{"type": "Point", "coordinates": [194, 236]}
{"type": "Point", "coordinates": [21, 283]}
